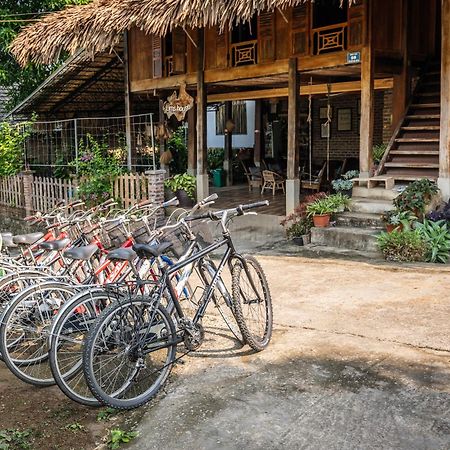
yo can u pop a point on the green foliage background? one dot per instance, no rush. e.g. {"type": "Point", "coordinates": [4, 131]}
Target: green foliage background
{"type": "Point", "coordinates": [18, 82]}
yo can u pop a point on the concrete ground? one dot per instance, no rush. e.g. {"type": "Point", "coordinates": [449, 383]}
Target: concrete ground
{"type": "Point", "coordinates": [360, 359]}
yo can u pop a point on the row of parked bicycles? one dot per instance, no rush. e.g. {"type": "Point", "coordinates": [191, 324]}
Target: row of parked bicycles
{"type": "Point", "coordinates": [100, 301]}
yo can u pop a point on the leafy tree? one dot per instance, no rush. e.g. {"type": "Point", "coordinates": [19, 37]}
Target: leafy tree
{"type": "Point", "coordinates": [15, 14]}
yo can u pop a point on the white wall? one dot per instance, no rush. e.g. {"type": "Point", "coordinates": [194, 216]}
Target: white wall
{"type": "Point", "coordinates": [239, 140]}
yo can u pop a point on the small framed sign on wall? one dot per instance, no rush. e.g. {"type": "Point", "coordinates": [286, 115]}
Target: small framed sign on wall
{"type": "Point", "coordinates": [344, 119]}
{"type": "Point", "coordinates": [325, 130]}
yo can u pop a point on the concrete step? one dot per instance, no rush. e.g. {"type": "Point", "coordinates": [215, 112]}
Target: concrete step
{"type": "Point", "coordinates": [370, 205]}
{"type": "Point", "coordinates": [351, 238]}
{"type": "Point", "coordinates": [326, 251]}
{"type": "Point", "coordinates": [360, 220]}
{"type": "Point", "coordinates": [374, 193]}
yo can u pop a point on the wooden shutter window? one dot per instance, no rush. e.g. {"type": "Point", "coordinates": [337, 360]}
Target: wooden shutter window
{"type": "Point", "coordinates": [179, 51]}
{"type": "Point", "coordinates": [157, 56]}
{"type": "Point", "coordinates": [356, 25]}
{"type": "Point", "coordinates": [300, 30]}
{"type": "Point", "coordinates": [266, 37]}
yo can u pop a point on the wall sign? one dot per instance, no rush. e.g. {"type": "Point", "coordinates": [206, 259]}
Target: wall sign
{"type": "Point", "coordinates": [344, 119]}
{"type": "Point", "coordinates": [353, 57]}
{"type": "Point", "coordinates": [178, 105]}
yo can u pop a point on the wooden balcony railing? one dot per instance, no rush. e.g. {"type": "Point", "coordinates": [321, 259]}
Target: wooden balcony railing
{"type": "Point", "coordinates": [244, 53]}
{"type": "Point", "coordinates": [332, 38]}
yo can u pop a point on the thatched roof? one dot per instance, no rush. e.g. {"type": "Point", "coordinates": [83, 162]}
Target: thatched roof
{"type": "Point", "coordinates": [98, 26]}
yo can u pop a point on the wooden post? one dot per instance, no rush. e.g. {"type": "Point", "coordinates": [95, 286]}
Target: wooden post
{"type": "Point", "coordinates": [401, 91]}
{"type": "Point", "coordinates": [293, 181]}
{"type": "Point", "coordinates": [228, 151]}
{"type": "Point", "coordinates": [258, 133]}
{"type": "Point", "coordinates": [192, 141]}
{"type": "Point", "coordinates": [444, 145]}
{"type": "Point", "coordinates": [162, 142]}
{"type": "Point", "coordinates": [130, 152]}
{"type": "Point", "coordinates": [367, 100]}
{"type": "Point", "coordinates": [202, 150]}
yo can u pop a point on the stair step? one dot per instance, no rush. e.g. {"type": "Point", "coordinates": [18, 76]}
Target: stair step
{"type": "Point", "coordinates": [370, 205]}
{"type": "Point", "coordinates": [428, 94]}
{"type": "Point", "coordinates": [425, 105]}
{"type": "Point", "coordinates": [417, 140]}
{"type": "Point", "coordinates": [379, 193]}
{"type": "Point", "coordinates": [423, 117]}
{"type": "Point", "coordinates": [352, 238]}
{"type": "Point", "coordinates": [413, 165]}
{"type": "Point", "coordinates": [360, 220]}
{"type": "Point", "coordinates": [422, 128]}
{"type": "Point", "coordinates": [410, 176]}
{"type": "Point", "coordinates": [415, 152]}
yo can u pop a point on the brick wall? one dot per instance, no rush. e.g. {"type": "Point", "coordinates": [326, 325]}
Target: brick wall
{"type": "Point", "coordinates": [345, 144]}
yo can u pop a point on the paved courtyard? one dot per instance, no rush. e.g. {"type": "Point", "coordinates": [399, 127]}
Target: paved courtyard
{"type": "Point", "coordinates": [360, 359]}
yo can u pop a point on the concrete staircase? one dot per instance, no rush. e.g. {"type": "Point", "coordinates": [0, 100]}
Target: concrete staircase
{"type": "Point", "coordinates": [355, 232]}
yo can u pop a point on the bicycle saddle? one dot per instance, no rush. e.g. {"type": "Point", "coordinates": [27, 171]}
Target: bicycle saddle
{"type": "Point", "coordinates": [27, 239]}
{"type": "Point", "coordinates": [122, 254]}
{"type": "Point", "coordinates": [55, 245]}
{"type": "Point", "coordinates": [81, 253]}
{"type": "Point", "coordinates": [151, 251]}
{"type": "Point", "coordinates": [7, 240]}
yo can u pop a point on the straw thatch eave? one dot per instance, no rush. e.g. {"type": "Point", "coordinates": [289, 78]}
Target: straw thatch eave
{"type": "Point", "coordinates": [98, 26]}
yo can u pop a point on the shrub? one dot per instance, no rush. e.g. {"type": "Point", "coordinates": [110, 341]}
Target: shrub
{"type": "Point", "coordinates": [404, 246]}
{"type": "Point", "coordinates": [378, 152]}
{"type": "Point", "coordinates": [177, 146]}
{"type": "Point", "coordinates": [328, 205]}
{"type": "Point", "coordinates": [12, 138]}
{"type": "Point", "coordinates": [345, 183]}
{"type": "Point", "coordinates": [437, 235]}
{"type": "Point", "coordinates": [182, 182]}
{"type": "Point", "coordinates": [215, 158]}
{"type": "Point", "coordinates": [416, 196]}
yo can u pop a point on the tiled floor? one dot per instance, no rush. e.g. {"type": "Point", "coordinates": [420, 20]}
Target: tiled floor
{"type": "Point", "coordinates": [238, 195]}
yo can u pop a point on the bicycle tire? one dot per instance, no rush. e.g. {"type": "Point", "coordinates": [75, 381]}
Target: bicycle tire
{"type": "Point", "coordinates": [28, 305]}
{"type": "Point", "coordinates": [120, 397]}
{"type": "Point", "coordinates": [66, 345]}
{"type": "Point", "coordinates": [257, 341]}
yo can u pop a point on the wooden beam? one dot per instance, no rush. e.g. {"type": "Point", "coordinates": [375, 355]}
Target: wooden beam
{"type": "Point", "coordinates": [444, 145]}
{"type": "Point", "coordinates": [315, 89]}
{"type": "Point", "coordinates": [172, 82]}
{"type": "Point", "coordinates": [367, 99]}
{"type": "Point", "coordinates": [293, 129]}
{"type": "Point", "coordinates": [130, 152]}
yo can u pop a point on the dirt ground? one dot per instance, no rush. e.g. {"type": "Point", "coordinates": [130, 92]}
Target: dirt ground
{"type": "Point", "coordinates": [360, 359]}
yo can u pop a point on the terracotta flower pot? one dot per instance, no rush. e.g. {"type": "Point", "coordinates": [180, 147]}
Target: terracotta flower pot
{"type": "Point", "coordinates": [321, 220]}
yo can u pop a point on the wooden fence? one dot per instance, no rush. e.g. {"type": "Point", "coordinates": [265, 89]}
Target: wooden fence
{"type": "Point", "coordinates": [11, 191]}
{"type": "Point", "coordinates": [46, 191]}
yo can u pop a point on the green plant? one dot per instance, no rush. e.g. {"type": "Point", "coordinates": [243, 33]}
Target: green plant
{"type": "Point", "coordinates": [378, 152]}
{"type": "Point", "coordinates": [404, 246]}
{"type": "Point", "coordinates": [398, 217]}
{"type": "Point", "coordinates": [75, 427]}
{"type": "Point", "coordinates": [339, 202]}
{"type": "Point", "coordinates": [98, 166]}
{"type": "Point", "coordinates": [437, 235]}
{"type": "Point", "coordinates": [177, 146]}
{"type": "Point", "coordinates": [117, 437]}
{"type": "Point", "coordinates": [215, 158]}
{"type": "Point", "coordinates": [12, 139]}
{"type": "Point", "coordinates": [106, 414]}
{"type": "Point", "coordinates": [184, 182]}
{"type": "Point", "coordinates": [320, 207]}
{"type": "Point", "coordinates": [299, 227]}
{"type": "Point", "coordinates": [345, 183]}
{"type": "Point", "coordinates": [15, 439]}
{"type": "Point", "coordinates": [416, 196]}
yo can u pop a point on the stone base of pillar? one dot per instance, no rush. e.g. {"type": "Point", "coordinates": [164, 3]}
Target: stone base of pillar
{"type": "Point", "coordinates": [444, 186]}
{"type": "Point", "coordinates": [156, 189]}
{"type": "Point", "coordinates": [202, 186]}
{"type": "Point", "coordinates": [292, 195]}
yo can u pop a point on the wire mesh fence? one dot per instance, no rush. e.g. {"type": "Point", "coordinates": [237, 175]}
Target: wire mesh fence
{"type": "Point", "coordinates": [52, 147]}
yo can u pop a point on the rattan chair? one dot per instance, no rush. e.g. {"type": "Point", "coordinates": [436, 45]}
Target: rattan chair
{"type": "Point", "coordinates": [272, 181]}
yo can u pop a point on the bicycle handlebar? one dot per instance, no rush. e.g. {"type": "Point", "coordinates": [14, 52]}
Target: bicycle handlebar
{"type": "Point", "coordinates": [238, 211]}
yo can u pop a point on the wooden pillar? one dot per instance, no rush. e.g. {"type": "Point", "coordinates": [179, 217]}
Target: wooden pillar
{"type": "Point", "coordinates": [162, 142]}
{"type": "Point", "coordinates": [192, 140]}
{"type": "Point", "coordinates": [258, 133]}
{"type": "Point", "coordinates": [202, 150]}
{"type": "Point", "coordinates": [444, 145]}
{"type": "Point", "coordinates": [293, 181]}
{"type": "Point", "coordinates": [367, 99]}
{"type": "Point", "coordinates": [401, 91]}
{"type": "Point", "coordinates": [228, 150]}
{"type": "Point", "coordinates": [131, 155]}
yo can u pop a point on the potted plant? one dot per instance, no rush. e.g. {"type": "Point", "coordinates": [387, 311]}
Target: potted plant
{"type": "Point", "coordinates": [344, 184]}
{"type": "Point", "coordinates": [298, 229]}
{"type": "Point", "coordinates": [184, 187]}
{"type": "Point", "coordinates": [321, 211]}
{"type": "Point", "coordinates": [397, 220]}
{"type": "Point", "coordinates": [416, 197]}
{"type": "Point", "coordinates": [339, 202]}
{"type": "Point", "coordinates": [378, 152]}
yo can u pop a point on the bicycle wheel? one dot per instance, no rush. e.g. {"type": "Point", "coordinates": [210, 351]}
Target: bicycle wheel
{"type": "Point", "coordinates": [68, 332]}
{"type": "Point", "coordinates": [252, 302]}
{"type": "Point", "coordinates": [129, 352]}
{"type": "Point", "coordinates": [25, 329]}
{"type": "Point", "coordinates": [222, 301]}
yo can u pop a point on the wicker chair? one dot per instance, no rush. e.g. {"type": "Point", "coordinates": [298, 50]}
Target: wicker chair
{"type": "Point", "coordinates": [272, 181]}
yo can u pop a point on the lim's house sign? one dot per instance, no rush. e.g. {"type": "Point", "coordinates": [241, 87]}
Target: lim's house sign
{"type": "Point", "coordinates": [178, 105]}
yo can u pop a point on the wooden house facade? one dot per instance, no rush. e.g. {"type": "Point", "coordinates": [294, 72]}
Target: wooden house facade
{"type": "Point", "coordinates": [304, 50]}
